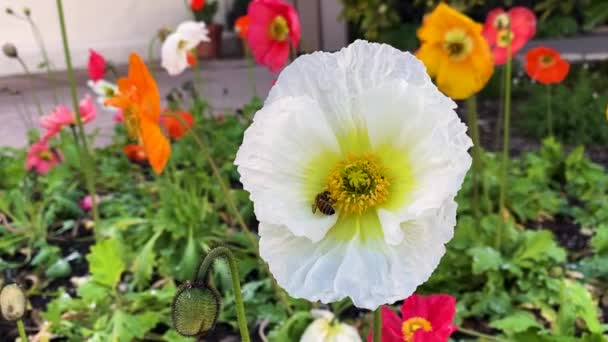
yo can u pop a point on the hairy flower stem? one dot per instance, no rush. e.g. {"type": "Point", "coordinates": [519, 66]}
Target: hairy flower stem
{"type": "Point", "coordinates": [505, 149]}
{"type": "Point", "coordinates": [232, 205]}
{"type": "Point", "coordinates": [474, 126]}
{"type": "Point", "coordinates": [151, 45]}
{"type": "Point", "coordinates": [199, 82]}
{"type": "Point", "coordinates": [21, 329]}
{"type": "Point", "coordinates": [34, 92]}
{"type": "Point", "coordinates": [236, 285]}
{"type": "Point", "coordinates": [45, 57]}
{"type": "Point", "coordinates": [485, 337]}
{"type": "Point", "coordinates": [86, 160]}
{"type": "Point", "coordinates": [250, 67]}
{"type": "Point", "coordinates": [549, 112]}
{"type": "Point", "coordinates": [378, 325]}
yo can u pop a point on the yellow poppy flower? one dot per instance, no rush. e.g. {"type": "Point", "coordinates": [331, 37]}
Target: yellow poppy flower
{"type": "Point", "coordinates": [455, 53]}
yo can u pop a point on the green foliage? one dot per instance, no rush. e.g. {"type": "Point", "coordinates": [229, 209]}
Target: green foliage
{"type": "Point", "coordinates": [371, 16]}
{"type": "Point", "coordinates": [578, 107]}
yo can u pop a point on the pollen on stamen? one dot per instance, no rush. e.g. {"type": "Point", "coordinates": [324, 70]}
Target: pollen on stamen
{"type": "Point", "coordinates": [358, 183]}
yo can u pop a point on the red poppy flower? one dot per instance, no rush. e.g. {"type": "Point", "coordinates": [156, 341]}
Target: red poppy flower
{"type": "Point", "coordinates": [197, 5]}
{"type": "Point", "coordinates": [514, 27]}
{"type": "Point", "coordinates": [174, 126]}
{"type": "Point", "coordinates": [241, 26]}
{"type": "Point", "coordinates": [546, 66]}
{"type": "Point", "coordinates": [274, 27]}
{"type": "Point", "coordinates": [97, 65]}
{"type": "Point", "coordinates": [423, 319]}
{"type": "Point", "coordinates": [135, 153]}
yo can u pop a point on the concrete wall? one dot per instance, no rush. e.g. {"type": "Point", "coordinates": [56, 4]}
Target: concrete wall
{"type": "Point", "coordinates": [117, 27]}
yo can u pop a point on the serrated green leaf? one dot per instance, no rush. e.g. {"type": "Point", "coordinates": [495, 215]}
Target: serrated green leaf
{"type": "Point", "coordinates": [126, 327]}
{"type": "Point", "coordinates": [516, 323]}
{"type": "Point", "coordinates": [599, 241]}
{"type": "Point", "coordinates": [538, 246]}
{"type": "Point", "coordinates": [576, 303]}
{"type": "Point", "coordinates": [105, 263]}
{"type": "Point", "coordinates": [144, 262]}
{"type": "Point", "coordinates": [485, 259]}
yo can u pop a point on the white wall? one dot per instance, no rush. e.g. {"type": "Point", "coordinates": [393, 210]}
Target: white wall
{"type": "Point", "coordinates": [113, 27]}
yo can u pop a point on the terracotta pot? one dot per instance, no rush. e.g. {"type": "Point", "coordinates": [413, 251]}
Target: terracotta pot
{"type": "Point", "coordinates": [212, 49]}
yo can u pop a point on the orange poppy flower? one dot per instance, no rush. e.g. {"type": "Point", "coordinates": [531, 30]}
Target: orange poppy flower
{"type": "Point", "coordinates": [241, 26]}
{"type": "Point", "coordinates": [546, 66]}
{"type": "Point", "coordinates": [135, 153]}
{"type": "Point", "coordinates": [139, 99]}
{"type": "Point", "coordinates": [177, 127]}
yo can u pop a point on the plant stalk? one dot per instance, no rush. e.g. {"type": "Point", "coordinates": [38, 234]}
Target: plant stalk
{"type": "Point", "coordinates": [250, 67]}
{"type": "Point", "coordinates": [549, 112]}
{"type": "Point", "coordinates": [45, 57]}
{"type": "Point", "coordinates": [85, 157]}
{"type": "Point", "coordinates": [378, 325]}
{"type": "Point", "coordinates": [481, 335]}
{"type": "Point", "coordinates": [21, 329]}
{"type": "Point", "coordinates": [505, 147]}
{"type": "Point", "coordinates": [474, 126]}
{"type": "Point", "coordinates": [236, 284]}
{"type": "Point", "coordinates": [34, 92]}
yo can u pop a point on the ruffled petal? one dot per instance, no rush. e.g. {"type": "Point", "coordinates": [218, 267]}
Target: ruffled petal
{"type": "Point", "coordinates": [173, 58]}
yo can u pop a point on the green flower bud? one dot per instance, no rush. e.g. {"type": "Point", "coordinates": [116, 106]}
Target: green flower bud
{"type": "Point", "coordinates": [27, 11]}
{"type": "Point", "coordinates": [196, 308]}
{"type": "Point", "coordinates": [12, 302]}
{"type": "Point", "coordinates": [10, 50]}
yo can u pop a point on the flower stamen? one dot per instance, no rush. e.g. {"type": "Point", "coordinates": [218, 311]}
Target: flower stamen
{"type": "Point", "coordinates": [458, 44]}
{"type": "Point", "coordinates": [279, 28]}
{"type": "Point", "coordinates": [358, 183]}
{"type": "Point", "coordinates": [410, 326]}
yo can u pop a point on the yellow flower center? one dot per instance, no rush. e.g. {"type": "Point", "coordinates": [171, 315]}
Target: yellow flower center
{"type": "Point", "coordinates": [546, 60]}
{"type": "Point", "coordinates": [45, 155]}
{"type": "Point", "coordinates": [131, 123]}
{"type": "Point", "coordinates": [458, 44]}
{"type": "Point", "coordinates": [279, 28]}
{"type": "Point", "coordinates": [410, 326]}
{"type": "Point", "coordinates": [504, 38]}
{"type": "Point", "coordinates": [502, 21]}
{"type": "Point", "coordinates": [181, 44]}
{"type": "Point", "coordinates": [108, 91]}
{"type": "Point", "coordinates": [358, 183]}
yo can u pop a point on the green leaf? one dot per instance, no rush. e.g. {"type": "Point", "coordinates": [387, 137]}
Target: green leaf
{"type": "Point", "coordinates": [516, 323]}
{"type": "Point", "coordinates": [485, 259]}
{"type": "Point", "coordinates": [126, 327]}
{"type": "Point", "coordinates": [576, 303]}
{"type": "Point", "coordinates": [599, 242]}
{"type": "Point", "coordinates": [105, 263]}
{"type": "Point", "coordinates": [91, 292]}
{"type": "Point", "coordinates": [292, 329]}
{"type": "Point", "coordinates": [538, 246]}
{"type": "Point", "coordinates": [143, 264]}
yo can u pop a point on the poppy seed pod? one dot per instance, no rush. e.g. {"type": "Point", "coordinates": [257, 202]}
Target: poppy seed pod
{"type": "Point", "coordinates": [10, 50]}
{"type": "Point", "coordinates": [12, 302]}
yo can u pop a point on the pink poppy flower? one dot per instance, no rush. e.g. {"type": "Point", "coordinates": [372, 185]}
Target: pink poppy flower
{"type": "Point", "coordinates": [423, 319]}
{"type": "Point", "coordinates": [97, 65]}
{"type": "Point", "coordinates": [86, 203]}
{"type": "Point", "coordinates": [514, 27]}
{"type": "Point", "coordinates": [274, 27]}
{"type": "Point", "coordinates": [62, 116]}
{"type": "Point", "coordinates": [41, 158]}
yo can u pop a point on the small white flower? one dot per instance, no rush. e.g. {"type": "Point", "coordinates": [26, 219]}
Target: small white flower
{"type": "Point", "coordinates": [179, 44]}
{"type": "Point", "coordinates": [367, 132]}
{"type": "Point", "coordinates": [104, 90]}
{"type": "Point", "coordinates": [326, 328]}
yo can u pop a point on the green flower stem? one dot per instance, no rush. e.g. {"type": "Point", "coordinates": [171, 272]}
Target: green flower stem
{"type": "Point", "coordinates": [86, 161]}
{"type": "Point", "coordinates": [480, 335]}
{"type": "Point", "coordinates": [378, 325]}
{"type": "Point", "coordinates": [199, 82]}
{"type": "Point", "coordinates": [45, 58]}
{"type": "Point", "coordinates": [34, 92]}
{"type": "Point", "coordinates": [21, 328]}
{"type": "Point", "coordinates": [250, 67]}
{"type": "Point", "coordinates": [549, 112]}
{"type": "Point", "coordinates": [236, 284]}
{"type": "Point", "coordinates": [151, 45]}
{"type": "Point", "coordinates": [499, 120]}
{"type": "Point", "coordinates": [505, 147]}
{"type": "Point", "coordinates": [474, 126]}
{"type": "Point", "coordinates": [232, 205]}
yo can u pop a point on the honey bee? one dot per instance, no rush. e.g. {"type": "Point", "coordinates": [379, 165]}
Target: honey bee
{"type": "Point", "coordinates": [324, 203]}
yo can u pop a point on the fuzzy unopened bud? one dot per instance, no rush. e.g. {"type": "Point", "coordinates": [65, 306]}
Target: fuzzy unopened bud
{"type": "Point", "coordinates": [195, 309]}
{"type": "Point", "coordinates": [10, 50]}
{"type": "Point", "coordinates": [9, 11]}
{"type": "Point", "coordinates": [163, 33]}
{"type": "Point", "coordinates": [27, 11]}
{"type": "Point", "coordinates": [12, 302]}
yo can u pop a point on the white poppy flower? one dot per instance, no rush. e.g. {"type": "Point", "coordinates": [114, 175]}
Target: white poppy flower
{"type": "Point", "coordinates": [176, 52]}
{"type": "Point", "coordinates": [367, 127]}
{"type": "Point", "coordinates": [104, 90]}
{"type": "Point", "coordinates": [325, 328]}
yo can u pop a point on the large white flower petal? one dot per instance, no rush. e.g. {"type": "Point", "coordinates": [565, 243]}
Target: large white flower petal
{"type": "Point", "coordinates": [173, 58]}
{"type": "Point", "coordinates": [193, 33]}
{"type": "Point", "coordinates": [274, 161]}
{"type": "Point", "coordinates": [371, 273]}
